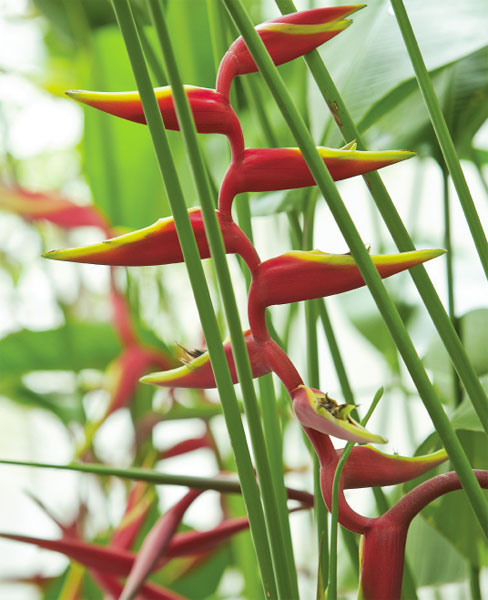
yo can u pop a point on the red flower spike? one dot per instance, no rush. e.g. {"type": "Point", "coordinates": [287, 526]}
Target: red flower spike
{"type": "Point", "coordinates": [298, 275]}
{"type": "Point", "coordinates": [369, 467]}
{"type": "Point", "coordinates": [315, 410]}
{"type": "Point", "coordinates": [158, 245]}
{"type": "Point", "coordinates": [286, 38]}
{"type": "Point", "coordinates": [52, 207]}
{"type": "Point", "coordinates": [155, 545]}
{"type": "Point", "coordinates": [139, 503]}
{"type": "Point", "coordinates": [188, 445]}
{"type": "Point", "coordinates": [211, 110]}
{"type": "Point", "coordinates": [198, 373]}
{"type": "Point", "coordinates": [268, 169]}
{"type": "Point", "coordinates": [149, 591]}
{"type": "Point", "coordinates": [125, 371]}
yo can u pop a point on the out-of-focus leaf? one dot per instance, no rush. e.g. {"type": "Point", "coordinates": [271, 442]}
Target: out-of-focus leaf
{"type": "Point", "coordinates": [371, 58]}
{"type": "Point", "coordinates": [462, 89]}
{"type": "Point", "coordinates": [371, 326]}
{"type": "Point", "coordinates": [432, 558]}
{"type": "Point", "coordinates": [271, 203]}
{"type": "Point", "coordinates": [72, 347]}
{"type": "Point", "coordinates": [450, 515]}
{"type": "Point", "coordinates": [453, 517]}
{"type": "Point", "coordinates": [474, 333]}
{"type": "Point", "coordinates": [65, 17]}
{"type": "Point", "coordinates": [67, 407]}
{"type": "Point", "coordinates": [119, 160]}
{"type": "Point", "coordinates": [205, 577]}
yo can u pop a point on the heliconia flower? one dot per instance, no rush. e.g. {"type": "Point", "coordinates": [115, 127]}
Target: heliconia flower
{"type": "Point", "coordinates": [369, 467]}
{"type": "Point", "coordinates": [286, 37]}
{"type": "Point", "coordinates": [301, 275]}
{"type": "Point", "coordinates": [267, 169]}
{"type": "Point", "coordinates": [50, 206]}
{"type": "Point", "coordinates": [124, 372]}
{"type": "Point", "coordinates": [188, 445]}
{"type": "Point", "coordinates": [138, 505]}
{"type": "Point", "coordinates": [315, 410]}
{"type": "Point", "coordinates": [155, 545]}
{"type": "Point", "coordinates": [211, 110]}
{"type": "Point", "coordinates": [154, 245]}
{"type": "Point", "coordinates": [148, 591]}
{"type": "Point", "coordinates": [198, 372]}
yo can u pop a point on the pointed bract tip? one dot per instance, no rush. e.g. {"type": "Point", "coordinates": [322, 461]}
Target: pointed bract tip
{"type": "Point", "coordinates": [316, 410]}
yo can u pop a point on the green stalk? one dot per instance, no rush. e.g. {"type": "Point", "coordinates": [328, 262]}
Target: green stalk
{"type": "Point", "coordinates": [201, 293]}
{"type": "Point", "coordinates": [285, 578]}
{"type": "Point", "coordinates": [363, 260]}
{"type": "Point", "coordinates": [332, 588]}
{"type": "Point", "coordinates": [399, 234]}
{"type": "Point", "coordinates": [457, 391]}
{"type": "Point", "coordinates": [474, 583]}
{"type": "Point", "coordinates": [442, 133]}
{"type": "Point", "coordinates": [224, 484]}
{"type": "Point", "coordinates": [274, 445]}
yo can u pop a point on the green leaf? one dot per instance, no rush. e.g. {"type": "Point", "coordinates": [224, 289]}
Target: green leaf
{"type": "Point", "coordinates": [370, 324]}
{"type": "Point", "coordinates": [371, 59]}
{"type": "Point", "coordinates": [72, 347]}
{"type": "Point", "coordinates": [433, 559]}
{"type": "Point", "coordinates": [474, 333]}
{"type": "Point", "coordinates": [271, 203]}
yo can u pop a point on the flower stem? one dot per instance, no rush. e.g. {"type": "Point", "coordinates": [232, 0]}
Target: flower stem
{"type": "Point", "coordinates": [368, 271]}
{"type": "Point", "coordinates": [399, 234]}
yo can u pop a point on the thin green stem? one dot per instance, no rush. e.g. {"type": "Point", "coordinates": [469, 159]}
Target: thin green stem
{"type": "Point", "coordinates": [286, 579]}
{"type": "Point", "coordinates": [474, 583]}
{"type": "Point", "coordinates": [274, 445]}
{"type": "Point", "coordinates": [399, 234]}
{"type": "Point", "coordinates": [458, 394]}
{"type": "Point", "coordinates": [224, 484]}
{"type": "Point", "coordinates": [332, 588]}
{"type": "Point", "coordinates": [201, 293]}
{"type": "Point", "coordinates": [442, 133]}
{"type": "Point", "coordinates": [363, 260]}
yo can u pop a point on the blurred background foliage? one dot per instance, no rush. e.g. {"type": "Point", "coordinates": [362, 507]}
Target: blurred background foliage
{"type": "Point", "coordinates": [58, 343]}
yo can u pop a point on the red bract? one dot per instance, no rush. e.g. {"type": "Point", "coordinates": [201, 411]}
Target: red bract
{"type": "Point", "coordinates": [211, 110]}
{"type": "Point", "coordinates": [286, 37]}
{"type": "Point", "coordinates": [267, 169]}
{"type": "Point", "coordinates": [315, 410]}
{"type": "Point", "coordinates": [368, 467]}
{"type": "Point", "coordinates": [52, 207]}
{"type": "Point", "coordinates": [155, 545]}
{"type": "Point", "coordinates": [198, 372]}
{"type": "Point", "coordinates": [297, 276]}
{"type": "Point", "coordinates": [157, 244]}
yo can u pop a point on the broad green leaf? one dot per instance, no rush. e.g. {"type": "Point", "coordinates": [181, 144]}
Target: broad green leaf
{"type": "Point", "coordinates": [370, 58]}
{"type": "Point", "coordinates": [271, 203]}
{"type": "Point", "coordinates": [433, 559]}
{"type": "Point", "coordinates": [72, 347]}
